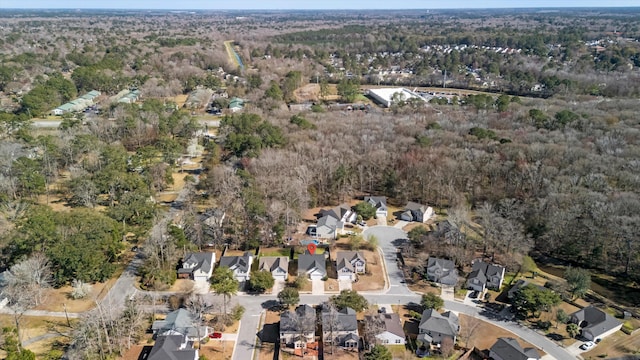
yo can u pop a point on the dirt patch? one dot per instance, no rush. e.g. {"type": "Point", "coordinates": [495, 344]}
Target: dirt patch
{"type": "Point", "coordinates": [217, 349]}
{"type": "Point", "coordinates": [32, 326]}
{"type": "Point", "coordinates": [57, 299]}
{"type": "Point", "coordinates": [311, 93]}
{"type": "Point", "coordinates": [135, 352]}
{"type": "Point", "coordinates": [180, 100]}
{"type": "Point", "coordinates": [331, 285]}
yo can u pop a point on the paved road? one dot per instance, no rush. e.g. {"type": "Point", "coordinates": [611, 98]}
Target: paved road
{"type": "Point", "coordinates": [388, 240]}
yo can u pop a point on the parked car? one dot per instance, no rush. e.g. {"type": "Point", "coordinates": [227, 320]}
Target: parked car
{"type": "Point", "coordinates": [215, 335]}
{"type": "Point", "coordinates": [474, 294]}
{"type": "Point", "coordinates": [588, 345]}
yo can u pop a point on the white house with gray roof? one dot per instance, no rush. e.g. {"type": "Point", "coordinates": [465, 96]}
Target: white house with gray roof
{"type": "Point", "coordinates": [174, 347]}
{"type": "Point", "coordinates": [416, 212]}
{"type": "Point", "coordinates": [390, 332]}
{"type": "Point", "coordinates": [485, 276]}
{"type": "Point", "coordinates": [240, 265]}
{"type": "Point", "coordinates": [197, 266]}
{"type": "Point", "coordinates": [594, 323]}
{"type": "Point", "coordinates": [298, 328]}
{"type": "Point", "coordinates": [378, 202]}
{"type": "Point", "coordinates": [442, 271]}
{"type": "Point", "coordinates": [314, 266]}
{"type": "Point", "coordinates": [349, 264]}
{"type": "Point", "coordinates": [180, 322]}
{"type": "Point", "coordinates": [434, 327]}
{"type": "Point", "coordinates": [340, 328]}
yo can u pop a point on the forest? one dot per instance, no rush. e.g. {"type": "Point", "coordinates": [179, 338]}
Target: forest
{"type": "Point", "coordinates": [543, 159]}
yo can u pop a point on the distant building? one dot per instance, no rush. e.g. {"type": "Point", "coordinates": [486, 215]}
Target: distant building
{"type": "Point", "coordinates": [76, 105]}
{"type": "Point", "coordinates": [236, 104]}
{"type": "Point", "coordinates": [388, 96]}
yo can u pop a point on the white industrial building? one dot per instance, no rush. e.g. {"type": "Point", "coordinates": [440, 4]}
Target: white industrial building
{"type": "Point", "coordinates": [386, 96]}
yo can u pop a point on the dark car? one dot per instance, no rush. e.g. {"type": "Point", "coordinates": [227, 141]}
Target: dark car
{"type": "Point", "coordinates": [474, 294]}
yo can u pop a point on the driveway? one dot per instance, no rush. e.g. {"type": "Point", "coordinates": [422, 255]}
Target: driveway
{"type": "Point", "coordinates": [381, 220]}
{"type": "Point", "coordinates": [201, 286]}
{"type": "Point", "coordinates": [447, 293]}
{"type": "Point", "coordinates": [400, 224]}
{"type": "Point", "coordinates": [317, 287]}
{"type": "Point", "coordinates": [344, 285]}
{"type": "Point", "coordinates": [388, 239]}
{"type": "Point", "coordinates": [278, 285]}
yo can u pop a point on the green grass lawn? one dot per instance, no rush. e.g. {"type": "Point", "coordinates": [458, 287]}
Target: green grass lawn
{"type": "Point", "coordinates": [279, 252]}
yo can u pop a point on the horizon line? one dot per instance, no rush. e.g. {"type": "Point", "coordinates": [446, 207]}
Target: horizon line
{"type": "Point", "coordinates": [325, 9]}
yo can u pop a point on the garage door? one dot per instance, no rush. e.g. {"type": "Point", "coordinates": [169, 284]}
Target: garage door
{"type": "Point", "coordinates": [344, 277]}
{"type": "Point", "coordinates": [280, 277]}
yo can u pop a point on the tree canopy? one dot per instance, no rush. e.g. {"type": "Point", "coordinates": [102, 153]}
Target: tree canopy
{"type": "Point", "coordinates": [349, 298]}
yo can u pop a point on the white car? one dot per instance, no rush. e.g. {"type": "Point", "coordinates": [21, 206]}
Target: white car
{"type": "Point", "coordinates": [588, 345]}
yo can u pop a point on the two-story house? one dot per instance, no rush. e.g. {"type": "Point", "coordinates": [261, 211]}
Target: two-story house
{"type": "Point", "coordinates": [378, 202]}
{"type": "Point", "coordinates": [485, 276]}
{"type": "Point", "coordinates": [314, 266]}
{"type": "Point", "coordinates": [197, 266]}
{"type": "Point", "coordinates": [240, 265]}
{"type": "Point", "coordinates": [340, 328]}
{"type": "Point", "coordinates": [298, 328]}
{"type": "Point", "coordinates": [349, 264]}
{"type": "Point", "coordinates": [442, 271]}
{"type": "Point", "coordinates": [434, 327]}
{"type": "Point", "coordinates": [278, 266]}
{"type": "Point", "coordinates": [180, 322]}
{"type": "Point", "coordinates": [176, 347]}
{"type": "Point", "coordinates": [416, 212]}
{"type": "Point", "coordinates": [510, 349]}
{"type": "Point", "coordinates": [388, 329]}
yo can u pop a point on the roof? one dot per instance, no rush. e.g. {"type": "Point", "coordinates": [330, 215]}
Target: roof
{"type": "Point", "coordinates": [236, 103]}
{"type": "Point", "coordinates": [328, 221]}
{"type": "Point", "coordinates": [290, 320]}
{"type": "Point", "coordinates": [345, 320]}
{"type": "Point", "coordinates": [337, 212]}
{"type": "Point", "coordinates": [203, 261]}
{"type": "Point", "coordinates": [270, 263]}
{"type": "Point", "coordinates": [595, 320]}
{"type": "Point", "coordinates": [346, 259]}
{"type": "Point", "coordinates": [308, 262]}
{"type": "Point", "coordinates": [172, 347]}
{"type": "Point", "coordinates": [446, 323]}
{"type": "Point", "coordinates": [241, 263]}
{"type": "Point", "coordinates": [442, 269]}
{"type": "Point", "coordinates": [180, 321]}
{"type": "Point", "coordinates": [509, 348]}
{"type": "Point", "coordinates": [387, 94]}
{"type": "Point", "coordinates": [391, 323]}
{"type": "Point", "coordinates": [415, 206]}
{"type": "Point", "coordinates": [488, 269]}
{"type": "Point", "coordinates": [377, 201]}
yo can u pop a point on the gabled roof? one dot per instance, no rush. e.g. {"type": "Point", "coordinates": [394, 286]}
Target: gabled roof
{"type": "Point", "coordinates": [377, 201]}
{"type": "Point", "coordinates": [488, 269]}
{"type": "Point", "coordinates": [241, 263]}
{"type": "Point", "coordinates": [172, 347]}
{"type": "Point", "coordinates": [202, 261]}
{"type": "Point", "coordinates": [595, 320]}
{"type": "Point", "coordinates": [345, 320]}
{"type": "Point", "coordinates": [390, 322]}
{"type": "Point", "coordinates": [271, 263]}
{"type": "Point", "coordinates": [337, 212]}
{"type": "Point", "coordinates": [347, 258]}
{"type": "Point", "coordinates": [180, 321]}
{"type": "Point", "coordinates": [509, 348]}
{"type": "Point", "coordinates": [415, 206]}
{"type": "Point", "coordinates": [290, 320]}
{"type": "Point", "coordinates": [479, 276]}
{"type": "Point", "coordinates": [328, 221]}
{"type": "Point", "coordinates": [308, 262]}
{"type": "Point", "coordinates": [446, 323]}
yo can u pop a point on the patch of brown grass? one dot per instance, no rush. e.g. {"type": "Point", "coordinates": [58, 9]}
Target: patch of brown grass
{"type": "Point", "coordinates": [487, 334]}
{"type": "Point", "coordinates": [217, 349]}
{"type": "Point", "coordinates": [56, 299]}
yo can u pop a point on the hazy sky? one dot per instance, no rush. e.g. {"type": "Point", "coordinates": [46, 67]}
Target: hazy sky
{"type": "Point", "coordinates": [307, 4]}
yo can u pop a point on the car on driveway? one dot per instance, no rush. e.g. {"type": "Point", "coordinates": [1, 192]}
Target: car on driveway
{"type": "Point", "coordinates": [215, 335]}
{"type": "Point", "coordinates": [588, 345]}
{"type": "Point", "coordinates": [474, 294]}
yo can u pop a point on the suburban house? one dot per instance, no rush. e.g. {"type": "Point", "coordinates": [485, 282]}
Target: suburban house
{"type": "Point", "coordinates": [416, 212]}
{"type": "Point", "coordinates": [449, 231]}
{"type": "Point", "coordinates": [128, 96]}
{"type": "Point", "coordinates": [180, 322]}
{"type": "Point", "coordinates": [278, 266]}
{"type": "Point", "coordinates": [340, 328]}
{"type": "Point", "coordinates": [327, 227]}
{"type": "Point", "coordinates": [176, 347]}
{"type": "Point", "coordinates": [594, 323]}
{"type": "Point", "coordinates": [485, 276]}
{"type": "Point", "coordinates": [442, 271]}
{"type": "Point", "coordinates": [236, 104]}
{"type": "Point", "coordinates": [79, 104]}
{"type": "Point", "coordinates": [349, 264]}
{"type": "Point", "coordinates": [331, 222]}
{"type": "Point", "coordinates": [240, 265]}
{"type": "Point", "coordinates": [197, 266]}
{"type": "Point", "coordinates": [434, 327]}
{"type": "Point", "coordinates": [510, 349]}
{"type": "Point", "coordinates": [298, 328]}
{"type": "Point", "coordinates": [378, 202]}
{"type": "Point", "coordinates": [314, 266]}
{"type": "Point", "coordinates": [391, 329]}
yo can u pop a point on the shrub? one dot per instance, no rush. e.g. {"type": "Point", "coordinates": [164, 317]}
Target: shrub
{"type": "Point", "coordinates": [237, 312]}
{"type": "Point", "coordinates": [80, 289]}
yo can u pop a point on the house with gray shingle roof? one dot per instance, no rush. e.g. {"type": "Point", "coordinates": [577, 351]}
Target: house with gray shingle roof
{"type": "Point", "coordinates": [349, 264]}
{"type": "Point", "coordinates": [435, 326]}
{"type": "Point", "coordinates": [197, 266]}
{"type": "Point", "coordinates": [378, 202]}
{"type": "Point", "coordinates": [180, 322]}
{"type": "Point", "coordinates": [340, 328]}
{"type": "Point", "coordinates": [416, 212]}
{"type": "Point", "coordinates": [442, 271]}
{"type": "Point", "coordinates": [510, 349]}
{"type": "Point", "coordinates": [297, 328]}
{"type": "Point", "coordinates": [173, 347]}
{"type": "Point", "coordinates": [240, 265]}
{"type": "Point", "coordinates": [485, 276]}
{"type": "Point", "coordinates": [314, 266]}
{"type": "Point", "coordinates": [594, 323]}
{"type": "Point", "coordinates": [391, 332]}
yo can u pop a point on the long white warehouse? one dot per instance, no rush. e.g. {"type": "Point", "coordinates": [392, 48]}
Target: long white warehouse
{"type": "Point", "coordinates": [386, 96]}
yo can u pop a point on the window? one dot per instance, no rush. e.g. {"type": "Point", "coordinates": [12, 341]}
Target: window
{"type": "Point", "coordinates": [398, 341]}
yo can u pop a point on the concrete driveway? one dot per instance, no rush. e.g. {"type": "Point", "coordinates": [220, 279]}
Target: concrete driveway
{"type": "Point", "coordinates": [317, 287]}
{"type": "Point", "coordinates": [447, 293]}
{"type": "Point", "coordinates": [278, 285]}
{"type": "Point", "coordinates": [345, 285]}
{"type": "Point", "coordinates": [388, 239]}
{"type": "Point", "coordinates": [381, 220]}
